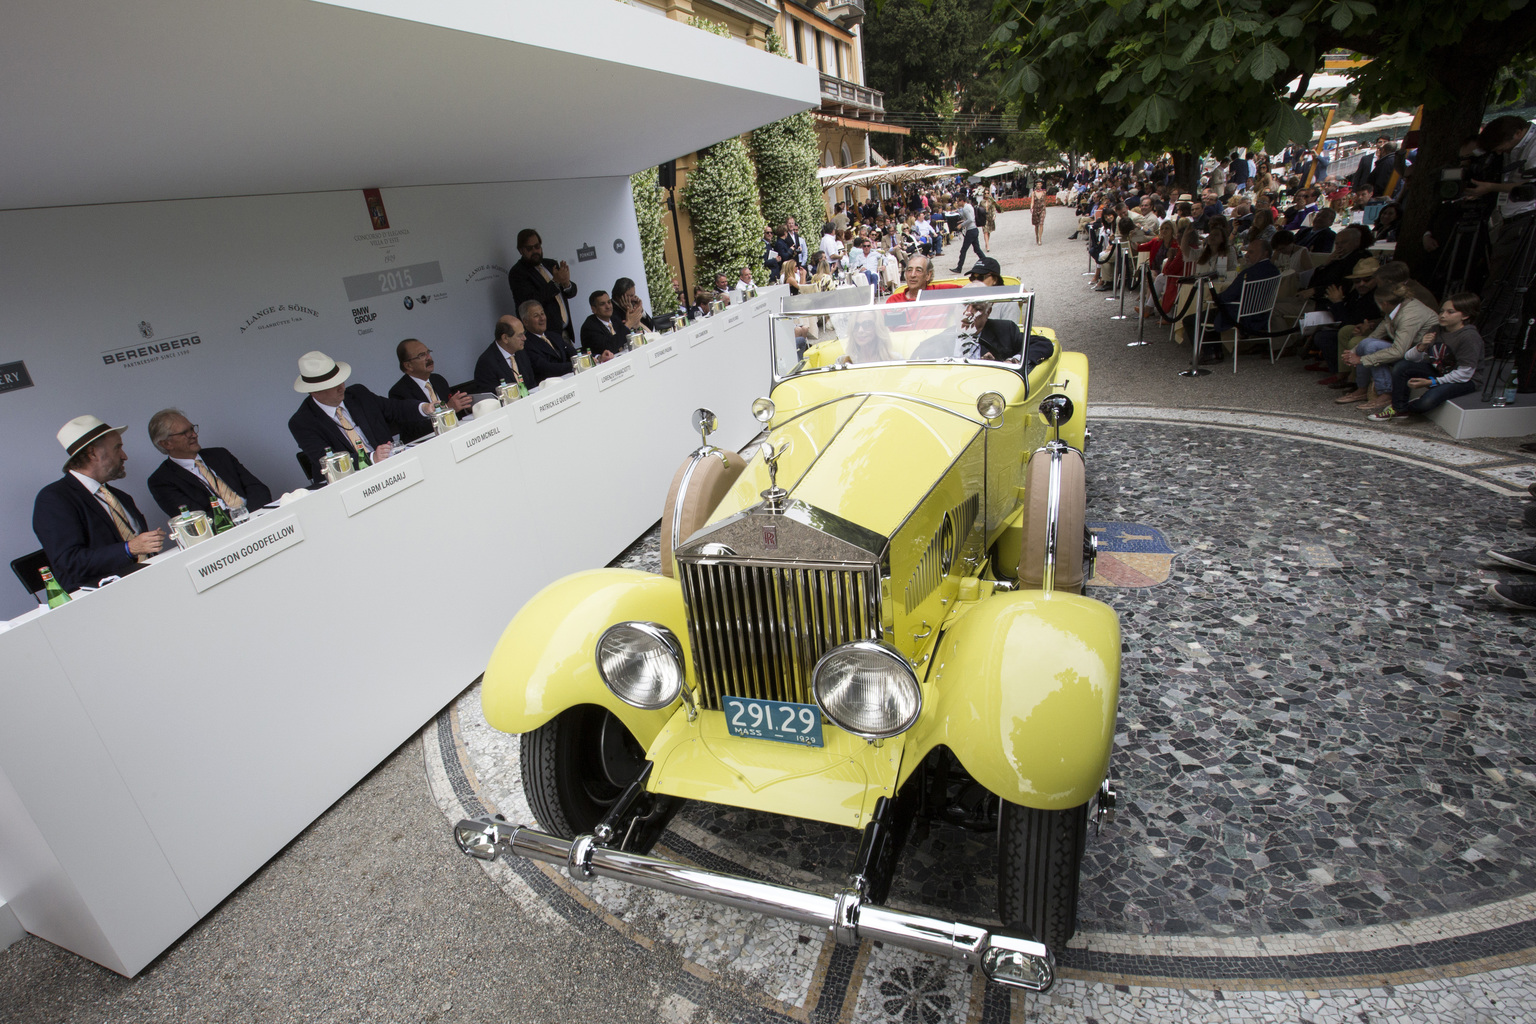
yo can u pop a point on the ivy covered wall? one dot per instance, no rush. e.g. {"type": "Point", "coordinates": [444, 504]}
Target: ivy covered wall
{"type": "Point", "coordinates": [721, 196]}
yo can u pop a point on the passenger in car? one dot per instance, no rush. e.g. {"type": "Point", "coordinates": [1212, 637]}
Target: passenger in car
{"type": "Point", "coordinates": [869, 341]}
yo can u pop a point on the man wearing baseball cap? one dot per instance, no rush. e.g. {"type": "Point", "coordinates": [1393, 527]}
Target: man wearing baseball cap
{"type": "Point", "coordinates": [345, 419]}
{"type": "Point", "coordinates": [88, 528]}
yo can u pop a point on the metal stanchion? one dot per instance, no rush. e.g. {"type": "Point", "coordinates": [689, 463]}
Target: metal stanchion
{"type": "Point", "coordinates": [1092, 266]}
{"type": "Point", "coordinates": [1141, 312]}
{"type": "Point", "coordinates": [1195, 369]}
{"type": "Point", "coordinates": [1124, 285]}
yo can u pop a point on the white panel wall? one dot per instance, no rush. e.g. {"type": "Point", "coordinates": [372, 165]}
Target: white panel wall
{"type": "Point", "coordinates": [258, 280]}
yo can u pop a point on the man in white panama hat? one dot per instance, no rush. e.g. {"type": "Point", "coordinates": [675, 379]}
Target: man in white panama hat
{"type": "Point", "coordinates": [342, 418]}
{"type": "Point", "coordinates": [88, 528]}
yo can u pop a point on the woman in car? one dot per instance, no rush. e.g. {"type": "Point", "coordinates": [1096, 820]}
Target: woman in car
{"type": "Point", "coordinates": [868, 340]}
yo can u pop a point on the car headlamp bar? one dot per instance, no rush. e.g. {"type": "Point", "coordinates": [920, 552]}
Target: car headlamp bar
{"type": "Point", "coordinates": [1006, 957]}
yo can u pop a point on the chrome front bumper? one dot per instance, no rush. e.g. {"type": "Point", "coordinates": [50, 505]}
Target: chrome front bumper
{"type": "Point", "coordinates": [1004, 957]}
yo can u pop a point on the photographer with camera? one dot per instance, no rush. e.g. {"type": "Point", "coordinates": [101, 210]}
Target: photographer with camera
{"type": "Point", "coordinates": [1510, 137]}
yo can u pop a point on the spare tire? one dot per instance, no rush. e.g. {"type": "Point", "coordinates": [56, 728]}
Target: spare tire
{"type": "Point", "coordinates": [698, 486]}
{"type": "Point", "coordinates": [1069, 533]}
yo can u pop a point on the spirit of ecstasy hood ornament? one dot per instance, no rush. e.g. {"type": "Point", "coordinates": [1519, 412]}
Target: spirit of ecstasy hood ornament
{"type": "Point", "coordinates": [775, 495]}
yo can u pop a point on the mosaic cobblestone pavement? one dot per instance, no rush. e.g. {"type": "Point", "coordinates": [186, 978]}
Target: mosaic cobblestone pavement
{"type": "Point", "coordinates": [1325, 746]}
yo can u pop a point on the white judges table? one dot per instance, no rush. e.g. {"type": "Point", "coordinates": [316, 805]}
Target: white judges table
{"type": "Point", "coordinates": [162, 738]}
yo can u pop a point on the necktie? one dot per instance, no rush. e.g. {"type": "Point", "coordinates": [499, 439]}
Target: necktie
{"type": "Point", "coordinates": [224, 491]}
{"type": "Point", "coordinates": [119, 516]}
{"type": "Point", "coordinates": [351, 431]}
{"type": "Point", "coordinates": [512, 363]}
{"type": "Point", "coordinates": [431, 395]}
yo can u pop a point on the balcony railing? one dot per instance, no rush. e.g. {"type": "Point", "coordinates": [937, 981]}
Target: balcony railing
{"type": "Point", "coordinates": [846, 12]}
{"type": "Point", "coordinates": [839, 96]}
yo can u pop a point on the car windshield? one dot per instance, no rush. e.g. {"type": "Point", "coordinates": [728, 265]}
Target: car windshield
{"type": "Point", "coordinates": [826, 330]}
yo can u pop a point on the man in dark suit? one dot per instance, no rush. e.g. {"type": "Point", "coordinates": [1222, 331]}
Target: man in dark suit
{"type": "Point", "coordinates": [89, 529]}
{"type": "Point", "coordinates": [342, 418]}
{"type": "Point", "coordinates": [192, 474]}
{"type": "Point", "coordinates": [1257, 267]}
{"type": "Point", "coordinates": [598, 334]}
{"type": "Point", "coordinates": [419, 382]}
{"type": "Point", "coordinates": [534, 278]}
{"type": "Point", "coordinates": [548, 351]}
{"type": "Point", "coordinates": [505, 361]}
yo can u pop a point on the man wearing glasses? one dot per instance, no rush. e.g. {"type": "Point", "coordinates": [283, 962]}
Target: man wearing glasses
{"type": "Point", "coordinates": [419, 382]}
{"type": "Point", "coordinates": [534, 278]}
{"type": "Point", "coordinates": [191, 474]}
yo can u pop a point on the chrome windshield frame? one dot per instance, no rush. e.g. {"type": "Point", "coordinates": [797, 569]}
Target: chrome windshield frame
{"type": "Point", "coordinates": [927, 300]}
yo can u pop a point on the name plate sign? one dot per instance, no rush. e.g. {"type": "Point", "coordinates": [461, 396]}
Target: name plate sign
{"type": "Point", "coordinates": [211, 566]}
{"type": "Point", "coordinates": [733, 320]}
{"type": "Point", "coordinates": [394, 476]}
{"type": "Point", "coordinates": [661, 351]}
{"type": "Point", "coordinates": [701, 335]}
{"type": "Point", "coordinates": [614, 372]}
{"type": "Point", "coordinates": [479, 434]}
{"type": "Point", "coordinates": [555, 401]}
{"type": "Point", "coordinates": [758, 308]}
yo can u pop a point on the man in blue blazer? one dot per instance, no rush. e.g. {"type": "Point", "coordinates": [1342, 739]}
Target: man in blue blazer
{"type": "Point", "coordinates": [192, 474]}
{"type": "Point", "coordinates": [89, 529]}
{"type": "Point", "coordinates": [344, 419]}
{"type": "Point", "coordinates": [548, 351]}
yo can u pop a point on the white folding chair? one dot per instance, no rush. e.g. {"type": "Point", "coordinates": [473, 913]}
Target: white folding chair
{"type": "Point", "coordinates": [1256, 299]}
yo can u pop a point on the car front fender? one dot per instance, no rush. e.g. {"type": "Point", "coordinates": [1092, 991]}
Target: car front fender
{"type": "Point", "coordinates": [545, 661]}
{"type": "Point", "coordinates": [1072, 367]}
{"type": "Point", "coordinates": [1024, 690]}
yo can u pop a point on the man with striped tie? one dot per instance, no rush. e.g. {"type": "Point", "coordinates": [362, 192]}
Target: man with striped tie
{"type": "Point", "coordinates": [88, 528]}
{"type": "Point", "coordinates": [192, 474]}
{"type": "Point", "coordinates": [341, 418]}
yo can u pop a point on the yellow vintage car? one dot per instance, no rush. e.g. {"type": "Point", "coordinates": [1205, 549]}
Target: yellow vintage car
{"type": "Point", "coordinates": [878, 608]}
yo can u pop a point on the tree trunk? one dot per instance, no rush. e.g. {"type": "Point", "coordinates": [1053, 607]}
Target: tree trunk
{"type": "Point", "coordinates": [1441, 133]}
{"type": "Point", "coordinates": [1186, 173]}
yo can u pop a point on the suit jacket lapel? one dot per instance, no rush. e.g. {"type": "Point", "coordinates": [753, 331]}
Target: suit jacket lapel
{"type": "Point", "coordinates": [94, 504]}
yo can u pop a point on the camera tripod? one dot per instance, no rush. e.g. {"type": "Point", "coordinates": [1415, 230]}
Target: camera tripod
{"type": "Point", "coordinates": [1468, 244]}
{"type": "Point", "coordinates": [1509, 312]}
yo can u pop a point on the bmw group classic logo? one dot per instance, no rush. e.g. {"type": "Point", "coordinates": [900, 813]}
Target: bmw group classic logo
{"type": "Point", "coordinates": [409, 303]}
{"type": "Point", "coordinates": [618, 245]}
{"type": "Point", "coordinates": [146, 330]}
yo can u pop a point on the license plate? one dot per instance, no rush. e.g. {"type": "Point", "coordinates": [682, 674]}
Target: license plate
{"type": "Point", "coordinates": [774, 720]}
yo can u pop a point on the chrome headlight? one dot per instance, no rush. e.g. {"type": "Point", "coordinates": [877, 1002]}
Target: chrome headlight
{"type": "Point", "coordinates": [642, 663]}
{"type": "Point", "coordinates": [867, 688]}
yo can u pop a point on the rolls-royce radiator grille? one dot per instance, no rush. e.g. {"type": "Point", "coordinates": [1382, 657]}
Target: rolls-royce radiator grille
{"type": "Point", "coordinates": [757, 631]}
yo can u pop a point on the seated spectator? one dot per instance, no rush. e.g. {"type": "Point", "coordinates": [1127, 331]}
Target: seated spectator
{"type": "Point", "coordinates": [1287, 255]}
{"type": "Point", "coordinates": [862, 262]}
{"type": "Point", "coordinates": [628, 311]}
{"type": "Point", "coordinates": [87, 527]}
{"type": "Point", "coordinates": [191, 474]}
{"type": "Point", "coordinates": [420, 382]}
{"type": "Point", "coordinates": [505, 361]}
{"type": "Point", "coordinates": [794, 276]}
{"type": "Point", "coordinates": [337, 418]}
{"type": "Point", "coordinates": [1262, 226]}
{"type": "Point", "coordinates": [702, 304]}
{"type": "Point", "coordinates": [1180, 263]}
{"type": "Point", "coordinates": [1256, 267]}
{"type": "Point", "coordinates": [1403, 325]}
{"type": "Point", "coordinates": [1347, 252]}
{"type": "Point", "coordinates": [1216, 256]}
{"type": "Point", "coordinates": [599, 336]}
{"type": "Point", "coordinates": [743, 287]}
{"type": "Point", "coordinates": [723, 287]}
{"type": "Point", "coordinates": [548, 351]}
{"type": "Point", "coordinates": [1320, 236]}
{"type": "Point", "coordinates": [1387, 222]}
{"type": "Point", "coordinates": [1443, 363]}
{"type": "Point", "coordinates": [1353, 308]}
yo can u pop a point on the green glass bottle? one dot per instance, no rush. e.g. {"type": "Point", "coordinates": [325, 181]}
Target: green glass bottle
{"type": "Point", "coordinates": [56, 594]}
{"type": "Point", "coordinates": [362, 459]}
{"type": "Point", "coordinates": [221, 520]}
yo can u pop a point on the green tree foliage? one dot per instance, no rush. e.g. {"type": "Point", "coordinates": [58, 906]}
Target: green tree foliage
{"type": "Point", "coordinates": [788, 155]}
{"type": "Point", "coordinates": [1121, 77]}
{"type": "Point", "coordinates": [651, 217]}
{"type": "Point", "coordinates": [930, 56]}
{"type": "Point", "coordinates": [721, 198]}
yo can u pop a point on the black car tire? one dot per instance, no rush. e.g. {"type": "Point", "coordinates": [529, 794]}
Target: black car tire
{"type": "Point", "coordinates": [576, 766]}
{"type": "Point", "coordinates": [1069, 534]}
{"type": "Point", "coordinates": [1039, 858]}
